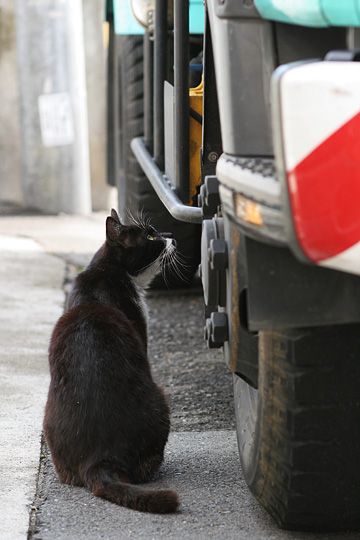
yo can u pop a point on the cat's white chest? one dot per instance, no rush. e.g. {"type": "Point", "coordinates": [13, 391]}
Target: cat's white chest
{"type": "Point", "coordinates": [141, 303]}
{"type": "Point", "coordinates": [143, 306]}
{"type": "Point", "coordinates": [146, 276]}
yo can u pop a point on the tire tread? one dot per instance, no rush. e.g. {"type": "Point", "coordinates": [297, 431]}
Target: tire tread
{"type": "Point", "coordinates": [308, 475]}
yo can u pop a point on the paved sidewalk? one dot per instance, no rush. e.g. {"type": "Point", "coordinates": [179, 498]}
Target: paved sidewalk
{"type": "Point", "coordinates": [201, 463]}
{"type": "Point", "coordinates": [33, 254]}
{"type": "Point", "coordinates": [31, 300]}
{"type": "Point", "coordinates": [73, 238]}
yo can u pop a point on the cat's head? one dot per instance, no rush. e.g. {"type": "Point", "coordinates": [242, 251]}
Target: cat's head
{"type": "Point", "coordinates": [143, 250]}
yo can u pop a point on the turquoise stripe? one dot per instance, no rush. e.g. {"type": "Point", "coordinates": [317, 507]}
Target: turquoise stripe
{"type": "Point", "coordinates": [304, 12]}
{"type": "Point", "coordinates": [344, 13]}
{"type": "Point", "coordinates": [126, 24]}
{"type": "Point", "coordinates": [196, 17]}
{"type": "Point", "coordinates": [316, 13]}
{"type": "Point", "coordinates": [124, 20]}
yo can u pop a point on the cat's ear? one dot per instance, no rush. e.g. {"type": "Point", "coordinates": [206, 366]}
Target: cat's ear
{"type": "Point", "coordinates": [114, 231]}
{"type": "Point", "coordinates": [115, 216]}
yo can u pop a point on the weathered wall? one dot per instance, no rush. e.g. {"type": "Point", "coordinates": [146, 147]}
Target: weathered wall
{"type": "Point", "coordinates": [11, 148]}
{"type": "Point", "coordinates": [54, 123]}
{"type": "Point", "coordinates": [10, 185]}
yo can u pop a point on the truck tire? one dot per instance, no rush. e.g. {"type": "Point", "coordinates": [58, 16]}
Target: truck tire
{"type": "Point", "coordinates": [299, 433]}
{"type": "Point", "coordinates": [135, 193]}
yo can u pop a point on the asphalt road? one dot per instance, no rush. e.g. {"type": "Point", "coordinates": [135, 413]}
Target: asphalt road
{"type": "Point", "coordinates": [201, 460]}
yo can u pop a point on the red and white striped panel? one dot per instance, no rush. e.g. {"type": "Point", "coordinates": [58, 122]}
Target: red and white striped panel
{"type": "Point", "coordinates": [320, 124]}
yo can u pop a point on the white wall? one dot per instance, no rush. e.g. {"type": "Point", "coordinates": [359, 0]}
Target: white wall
{"type": "Point", "coordinates": [10, 185]}
{"type": "Point", "coordinates": [11, 190]}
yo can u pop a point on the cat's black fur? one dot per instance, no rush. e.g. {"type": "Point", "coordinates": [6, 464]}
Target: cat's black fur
{"type": "Point", "coordinates": [106, 421]}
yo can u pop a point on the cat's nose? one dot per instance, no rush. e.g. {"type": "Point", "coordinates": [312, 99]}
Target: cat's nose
{"type": "Point", "coordinates": [173, 242]}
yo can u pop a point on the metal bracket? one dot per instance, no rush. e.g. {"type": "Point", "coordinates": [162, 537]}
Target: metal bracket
{"type": "Point", "coordinates": [226, 9]}
{"type": "Point", "coordinates": [163, 188]}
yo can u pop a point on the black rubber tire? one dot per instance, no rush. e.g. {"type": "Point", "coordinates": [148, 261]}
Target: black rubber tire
{"type": "Point", "coordinates": [135, 192]}
{"type": "Point", "coordinates": [112, 112]}
{"type": "Point", "coordinates": [299, 433]}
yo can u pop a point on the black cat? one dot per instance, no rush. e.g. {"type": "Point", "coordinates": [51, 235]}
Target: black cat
{"type": "Point", "coordinates": [106, 421]}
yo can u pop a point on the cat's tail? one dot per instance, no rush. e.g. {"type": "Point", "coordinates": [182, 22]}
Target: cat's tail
{"type": "Point", "coordinates": [164, 501]}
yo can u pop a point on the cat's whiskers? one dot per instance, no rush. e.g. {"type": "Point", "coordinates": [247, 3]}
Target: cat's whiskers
{"type": "Point", "coordinates": [131, 216]}
{"type": "Point", "coordinates": [176, 264]}
{"type": "Point", "coordinates": [169, 261]}
{"type": "Point", "coordinates": [177, 270]}
{"type": "Point", "coordinates": [166, 259]}
{"type": "Point", "coordinates": [141, 220]}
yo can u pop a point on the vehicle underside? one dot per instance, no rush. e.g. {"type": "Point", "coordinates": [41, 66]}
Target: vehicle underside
{"type": "Point", "coordinates": [242, 140]}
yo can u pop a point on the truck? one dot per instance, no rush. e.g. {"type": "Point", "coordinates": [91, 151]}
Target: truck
{"type": "Point", "coordinates": [235, 124]}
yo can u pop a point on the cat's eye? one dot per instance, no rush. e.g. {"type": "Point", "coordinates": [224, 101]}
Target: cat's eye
{"type": "Point", "coordinates": [151, 237]}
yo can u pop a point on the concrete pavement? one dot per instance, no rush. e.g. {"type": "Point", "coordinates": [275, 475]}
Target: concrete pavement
{"type": "Point", "coordinates": [72, 238]}
{"type": "Point", "coordinates": [203, 468]}
{"type": "Point", "coordinates": [201, 458]}
{"type": "Point", "coordinates": [34, 251]}
{"type": "Point", "coordinates": [31, 299]}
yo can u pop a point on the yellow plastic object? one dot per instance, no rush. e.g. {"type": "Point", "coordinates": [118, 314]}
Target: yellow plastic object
{"type": "Point", "coordinates": [195, 138]}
